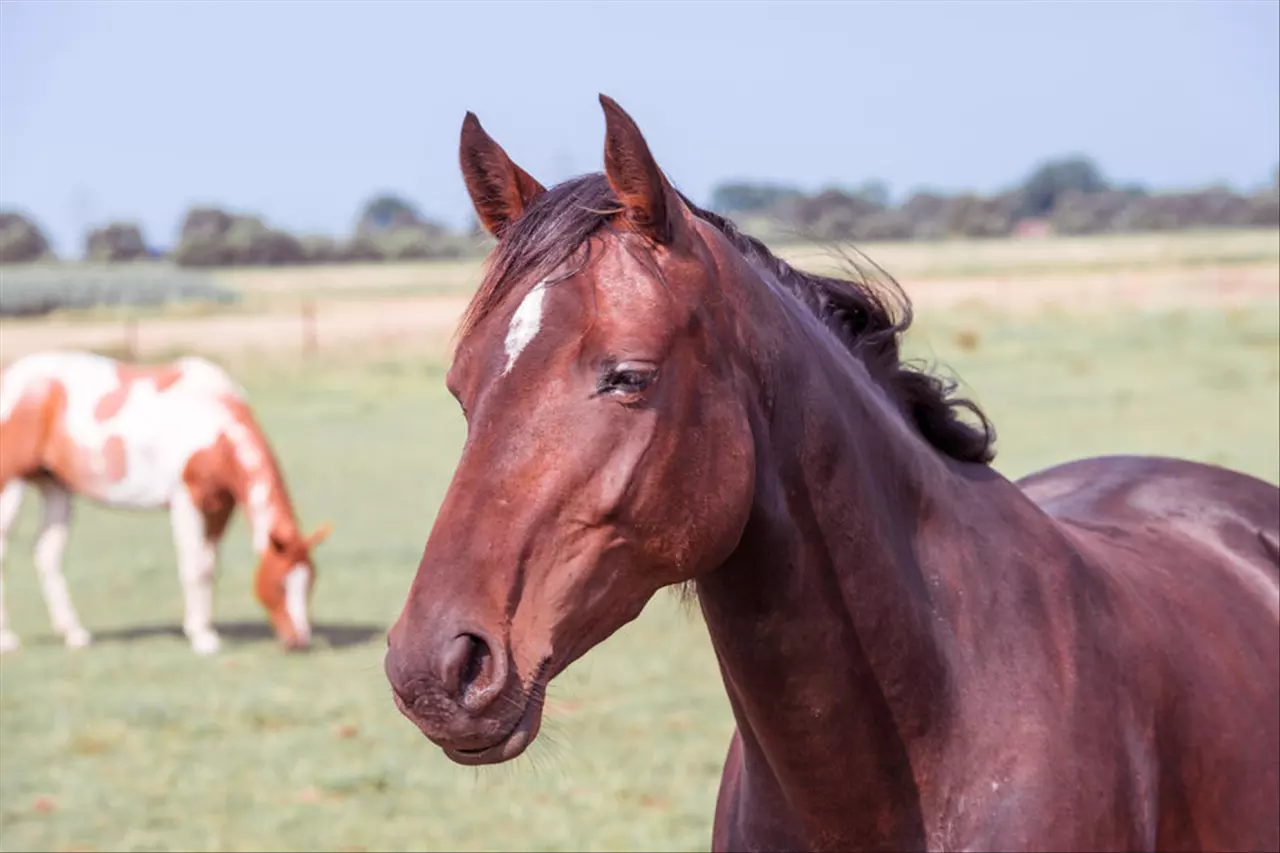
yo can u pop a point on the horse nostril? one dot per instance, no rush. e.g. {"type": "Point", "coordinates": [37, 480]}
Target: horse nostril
{"type": "Point", "coordinates": [477, 657]}
{"type": "Point", "coordinates": [469, 669]}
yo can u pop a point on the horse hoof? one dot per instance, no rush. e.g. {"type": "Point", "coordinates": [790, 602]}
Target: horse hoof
{"type": "Point", "coordinates": [206, 644]}
{"type": "Point", "coordinates": [78, 638]}
{"type": "Point", "coordinates": [9, 642]}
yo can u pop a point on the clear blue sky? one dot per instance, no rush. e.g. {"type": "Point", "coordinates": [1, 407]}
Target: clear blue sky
{"type": "Point", "coordinates": [300, 110]}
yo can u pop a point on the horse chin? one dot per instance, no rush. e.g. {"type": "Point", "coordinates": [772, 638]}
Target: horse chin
{"type": "Point", "coordinates": [510, 745]}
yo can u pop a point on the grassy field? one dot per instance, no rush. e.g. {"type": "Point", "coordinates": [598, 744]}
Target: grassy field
{"type": "Point", "coordinates": [137, 744]}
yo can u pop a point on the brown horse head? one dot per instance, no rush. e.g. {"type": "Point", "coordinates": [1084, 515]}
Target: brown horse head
{"type": "Point", "coordinates": [283, 582]}
{"type": "Point", "coordinates": [917, 654]}
{"type": "Point", "coordinates": [608, 454]}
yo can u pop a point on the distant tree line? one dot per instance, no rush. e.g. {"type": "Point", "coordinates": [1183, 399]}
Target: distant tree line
{"type": "Point", "coordinates": [1067, 196]}
{"type": "Point", "coordinates": [388, 228]}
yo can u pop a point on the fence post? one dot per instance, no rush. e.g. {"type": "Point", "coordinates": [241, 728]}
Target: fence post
{"type": "Point", "coordinates": [131, 338]}
{"type": "Point", "coordinates": [308, 327]}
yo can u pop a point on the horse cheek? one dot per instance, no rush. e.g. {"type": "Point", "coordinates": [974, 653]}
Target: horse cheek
{"type": "Point", "coordinates": [730, 481]}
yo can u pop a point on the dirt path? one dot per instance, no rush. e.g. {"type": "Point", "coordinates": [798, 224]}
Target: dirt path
{"type": "Point", "coordinates": [427, 322]}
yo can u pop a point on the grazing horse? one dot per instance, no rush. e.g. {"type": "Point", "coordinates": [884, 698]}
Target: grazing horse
{"type": "Point", "coordinates": [918, 653]}
{"type": "Point", "coordinates": [178, 435]}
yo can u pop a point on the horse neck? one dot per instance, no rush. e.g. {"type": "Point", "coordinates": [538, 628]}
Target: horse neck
{"type": "Point", "coordinates": [256, 481]}
{"type": "Point", "coordinates": [822, 619]}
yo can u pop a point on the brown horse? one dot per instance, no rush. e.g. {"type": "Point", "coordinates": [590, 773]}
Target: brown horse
{"type": "Point", "coordinates": [919, 653]}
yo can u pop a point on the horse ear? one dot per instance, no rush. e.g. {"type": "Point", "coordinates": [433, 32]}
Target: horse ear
{"type": "Point", "coordinates": [500, 190]}
{"type": "Point", "coordinates": [634, 174]}
{"type": "Point", "coordinates": [322, 533]}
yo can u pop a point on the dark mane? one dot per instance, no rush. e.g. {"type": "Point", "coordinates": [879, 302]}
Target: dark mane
{"type": "Point", "coordinates": [869, 316]}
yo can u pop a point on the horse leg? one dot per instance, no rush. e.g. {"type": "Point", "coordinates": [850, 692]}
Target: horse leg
{"type": "Point", "coordinates": [197, 560]}
{"type": "Point", "coordinates": [10, 500]}
{"type": "Point", "coordinates": [50, 543]}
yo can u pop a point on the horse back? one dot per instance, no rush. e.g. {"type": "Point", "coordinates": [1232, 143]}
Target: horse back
{"type": "Point", "coordinates": [118, 432]}
{"type": "Point", "coordinates": [1192, 522]}
{"type": "Point", "coordinates": [1186, 562]}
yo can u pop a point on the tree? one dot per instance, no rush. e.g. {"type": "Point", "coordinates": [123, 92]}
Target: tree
{"type": "Point", "coordinates": [215, 238]}
{"type": "Point", "coordinates": [875, 191]}
{"type": "Point", "coordinates": [116, 242]}
{"type": "Point", "coordinates": [1049, 180]}
{"type": "Point", "coordinates": [21, 240]}
{"type": "Point", "coordinates": [386, 212]}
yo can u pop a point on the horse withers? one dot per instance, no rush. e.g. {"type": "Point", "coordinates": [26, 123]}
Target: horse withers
{"type": "Point", "coordinates": [178, 435]}
{"type": "Point", "coordinates": [918, 653]}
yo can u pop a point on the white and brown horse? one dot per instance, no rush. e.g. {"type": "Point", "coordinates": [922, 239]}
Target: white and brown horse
{"type": "Point", "coordinates": [179, 436]}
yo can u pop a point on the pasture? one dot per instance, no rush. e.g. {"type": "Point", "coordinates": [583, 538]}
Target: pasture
{"type": "Point", "coordinates": [1163, 345]}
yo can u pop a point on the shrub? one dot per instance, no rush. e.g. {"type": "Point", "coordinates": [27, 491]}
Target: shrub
{"type": "Point", "coordinates": [885, 225]}
{"type": "Point", "coordinates": [121, 241]}
{"type": "Point", "coordinates": [1049, 180]}
{"type": "Point", "coordinates": [406, 243]}
{"type": "Point", "coordinates": [1077, 212]}
{"type": "Point", "coordinates": [213, 238]}
{"type": "Point", "coordinates": [360, 249]}
{"type": "Point", "coordinates": [977, 217]}
{"type": "Point", "coordinates": [251, 242]}
{"type": "Point", "coordinates": [744, 197]}
{"type": "Point", "coordinates": [386, 212]}
{"type": "Point", "coordinates": [320, 249]}
{"type": "Point", "coordinates": [21, 240]}
{"type": "Point", "coordinates": [831, 214]}
{"type": "Point", "coordinates": [1263, 209]}
{"type": "Point", "coordinates": [928, 213]}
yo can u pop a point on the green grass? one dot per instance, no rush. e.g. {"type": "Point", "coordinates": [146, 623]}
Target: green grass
{"type": "Point", "coordinates": [108, 289]}
{"type": "Point", "coordinates": [137, 744]}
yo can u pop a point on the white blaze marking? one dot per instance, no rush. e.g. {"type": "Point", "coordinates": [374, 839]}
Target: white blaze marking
{"type": "Point", "coordinates": [525, 324]}
{"type": "Point", "coordinates": [295, 599]}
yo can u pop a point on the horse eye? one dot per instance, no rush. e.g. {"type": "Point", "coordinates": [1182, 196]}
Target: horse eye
{"type": "Point", "coordinates": [626, 378]}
